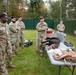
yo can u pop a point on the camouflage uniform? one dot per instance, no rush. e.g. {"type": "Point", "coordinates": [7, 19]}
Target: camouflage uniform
{"type": "Point", "coordinates": [3, 44]}
{"type": "Point", "coordinates": [9, 53]}
{"type": "Point", "coordinates": [8, 47]}
{"type": "Point", "coordinates": [41, 27]}
{"type": "Point", "coordinates": [13, 36]}
{"type": "Point", "coordinates": [21, 27]}
{"type": "Point", "coordinates": [61, 27]}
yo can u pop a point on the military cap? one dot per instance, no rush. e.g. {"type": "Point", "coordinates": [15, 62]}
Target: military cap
{"type": "Point", "coordinates": [41, 17]}
{"type": "Point", "coordinates": [3, 15]}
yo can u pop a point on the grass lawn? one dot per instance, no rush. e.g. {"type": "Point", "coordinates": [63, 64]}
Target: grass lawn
{"type": "Point", "coordinates": [28, 62]}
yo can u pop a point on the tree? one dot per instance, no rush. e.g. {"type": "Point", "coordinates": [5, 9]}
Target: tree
{"type": "Point", "coordinates": [37, 8]}
{"type": "Point", "coordinates": [73, 7]}
{"type": "Point", "coordinates": [64, 8]}
{"type": "Point", "coordinates": [55, 13]}
{"type": "Point", "coordinates": [59, 10]}
{"type": "Point", "coordinates": [16, 8]}
{"type": "Point", "coordinates": [2, 6]}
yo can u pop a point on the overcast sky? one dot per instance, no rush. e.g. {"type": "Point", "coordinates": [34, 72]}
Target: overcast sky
{"type": "Point", "coordinates": [51, 0]}
{"type": "Point", "coordinates": [54, 0]}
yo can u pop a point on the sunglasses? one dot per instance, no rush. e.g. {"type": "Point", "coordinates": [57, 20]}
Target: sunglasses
{"type": "Point", "coordinates": [41, 18]}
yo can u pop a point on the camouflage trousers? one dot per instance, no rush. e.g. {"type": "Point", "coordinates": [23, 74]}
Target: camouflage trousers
{"type": "Point", "coordinates": [18, 39]}
{"type": "Point", "coordinates": [9, 54]}
{"type": "Point", "coordinates": [21, 39]}
{"type": "Point", "coordinates": [14, 48]}
{"type": "Point", "coordinates": [3, 70]}
{"type": "Point", "coordinates": [39, 46]}
{"type": "Point", "coordinates": [15, 43]}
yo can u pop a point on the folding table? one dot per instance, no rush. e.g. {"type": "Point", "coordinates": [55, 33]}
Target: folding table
{"type": "Point", "coordinates": [60, 63]}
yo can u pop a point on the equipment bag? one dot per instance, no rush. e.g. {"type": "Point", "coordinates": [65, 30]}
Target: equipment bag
{"type": "Point", "coordinates": [52, 42]}
{"type": "Point", "coordinates": [28, 43]}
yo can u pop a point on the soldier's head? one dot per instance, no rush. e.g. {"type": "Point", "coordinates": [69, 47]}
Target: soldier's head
{"type": "Point", "coordinates": [41, 19]}
{"type": "Point", "coordinates": [20, 18]}
{"type": "Point", "coordinates": [3, 17]}
{"type": "Point", "coordinates": [61, 22]}
{"type": "Point", "coordinates": [13, 19]}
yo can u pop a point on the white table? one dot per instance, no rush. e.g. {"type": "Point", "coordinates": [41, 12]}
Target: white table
{"type": "Point", "coordinates": [60, 63]}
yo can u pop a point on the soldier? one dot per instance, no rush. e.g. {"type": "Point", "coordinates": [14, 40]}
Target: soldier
{"type": "Point", "coordinates": [41, 28]}
{"type": "Point", "coordinates": [61, 27]}
{"type": "Point", "coordinates": [13, 35]}
{"type": "Point", "coordinates": [8, 47]}
{"type": "Point", "coordinates": [9, 54]}
{"type": "Point", "coordinates": [21, 27]}
{"type": "Point", "coordinates": [3, 42]}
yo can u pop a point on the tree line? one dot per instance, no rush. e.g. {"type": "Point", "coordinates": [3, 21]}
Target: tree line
{"type": "Point", "coordinates": [34, 8]}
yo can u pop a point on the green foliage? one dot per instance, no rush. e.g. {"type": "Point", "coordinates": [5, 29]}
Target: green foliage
{"type": "Point", "coordinates": [74, 7]}
{"type": "Point", "coordinates": [2, 6]}
{"type": "Point", "coordinates": [55, 10]}
{"type": "Point", "coordinates": [64, 4]}
{"type": "Point", "coordinates": [37, 8]}
{"type": "Point", "coordinates": [16, 8]}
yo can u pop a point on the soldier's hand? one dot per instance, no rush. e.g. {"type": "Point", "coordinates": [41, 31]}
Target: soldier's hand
{"type": "Point", "coordinates": [17, 29]}
{"type": "Point", "coordinates": [44, 27]}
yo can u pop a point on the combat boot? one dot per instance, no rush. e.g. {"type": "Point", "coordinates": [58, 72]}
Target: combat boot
{"type": "Point", "coordinates": [41, 54]}
{"type": "Point", "coordinates": [12, 66]}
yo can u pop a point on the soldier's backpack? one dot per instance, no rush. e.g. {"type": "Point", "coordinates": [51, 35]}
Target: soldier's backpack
{"type": "Point", "coordinates": [52, 42]}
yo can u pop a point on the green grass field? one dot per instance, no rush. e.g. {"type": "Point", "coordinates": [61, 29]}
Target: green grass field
{"type": "Point", "coordinates": [28, 62]}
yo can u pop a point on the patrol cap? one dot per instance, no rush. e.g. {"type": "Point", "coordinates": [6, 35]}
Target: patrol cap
{"type": "Point", "coordinates": [13, 17]}
{"type": "Point", "coordinates": [41, 17]}
{"type": "Point", "coordinates": [3, 15]}
{"type": "Point", "coordinates": [19, 16]}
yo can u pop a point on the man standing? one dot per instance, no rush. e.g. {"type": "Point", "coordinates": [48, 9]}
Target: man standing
{"type": "Point", "coordinates": [41, 28]}
{"type": "Point", "coordinates": [61, 27]}
{"type": "Point", "coordinates": [13, 35]}
{"type": "Point", "coordinates": [20, 27]}
{"type": "Point", "coordinates": [3, 42]}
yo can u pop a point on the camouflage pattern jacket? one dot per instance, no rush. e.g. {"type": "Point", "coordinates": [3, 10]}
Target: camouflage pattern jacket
{"type": "Point", "coordinates": [41, 27]}
{"type": "Point", "coordinates": [13, 32]}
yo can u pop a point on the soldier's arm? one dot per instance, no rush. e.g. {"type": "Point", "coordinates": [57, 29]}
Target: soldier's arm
{"type": "Point", "coordinates": [12, 29]}
{"type": "Point", "coordinates": [45, 27]}
{"type": "Point", "coordinates": [17, 26]}
{"type": "Point", "coordinates": [2, 31]}
{"type": "Point", "coordinates": [58, 26]}
{"type": "Point", "coordinates": [38, 27]}
{"type": "Point", "coordinates": [41, 28]}
{"type": "Point", "coordinates": [64, 27]}
{"type": "Point", "coordinates": [9, 47]}
{"type": "Point", "coordinates": [23, 26]}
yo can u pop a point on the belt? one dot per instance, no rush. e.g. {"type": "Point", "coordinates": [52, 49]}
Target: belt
{"type": "Point", "coordinates": [60, 31]}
